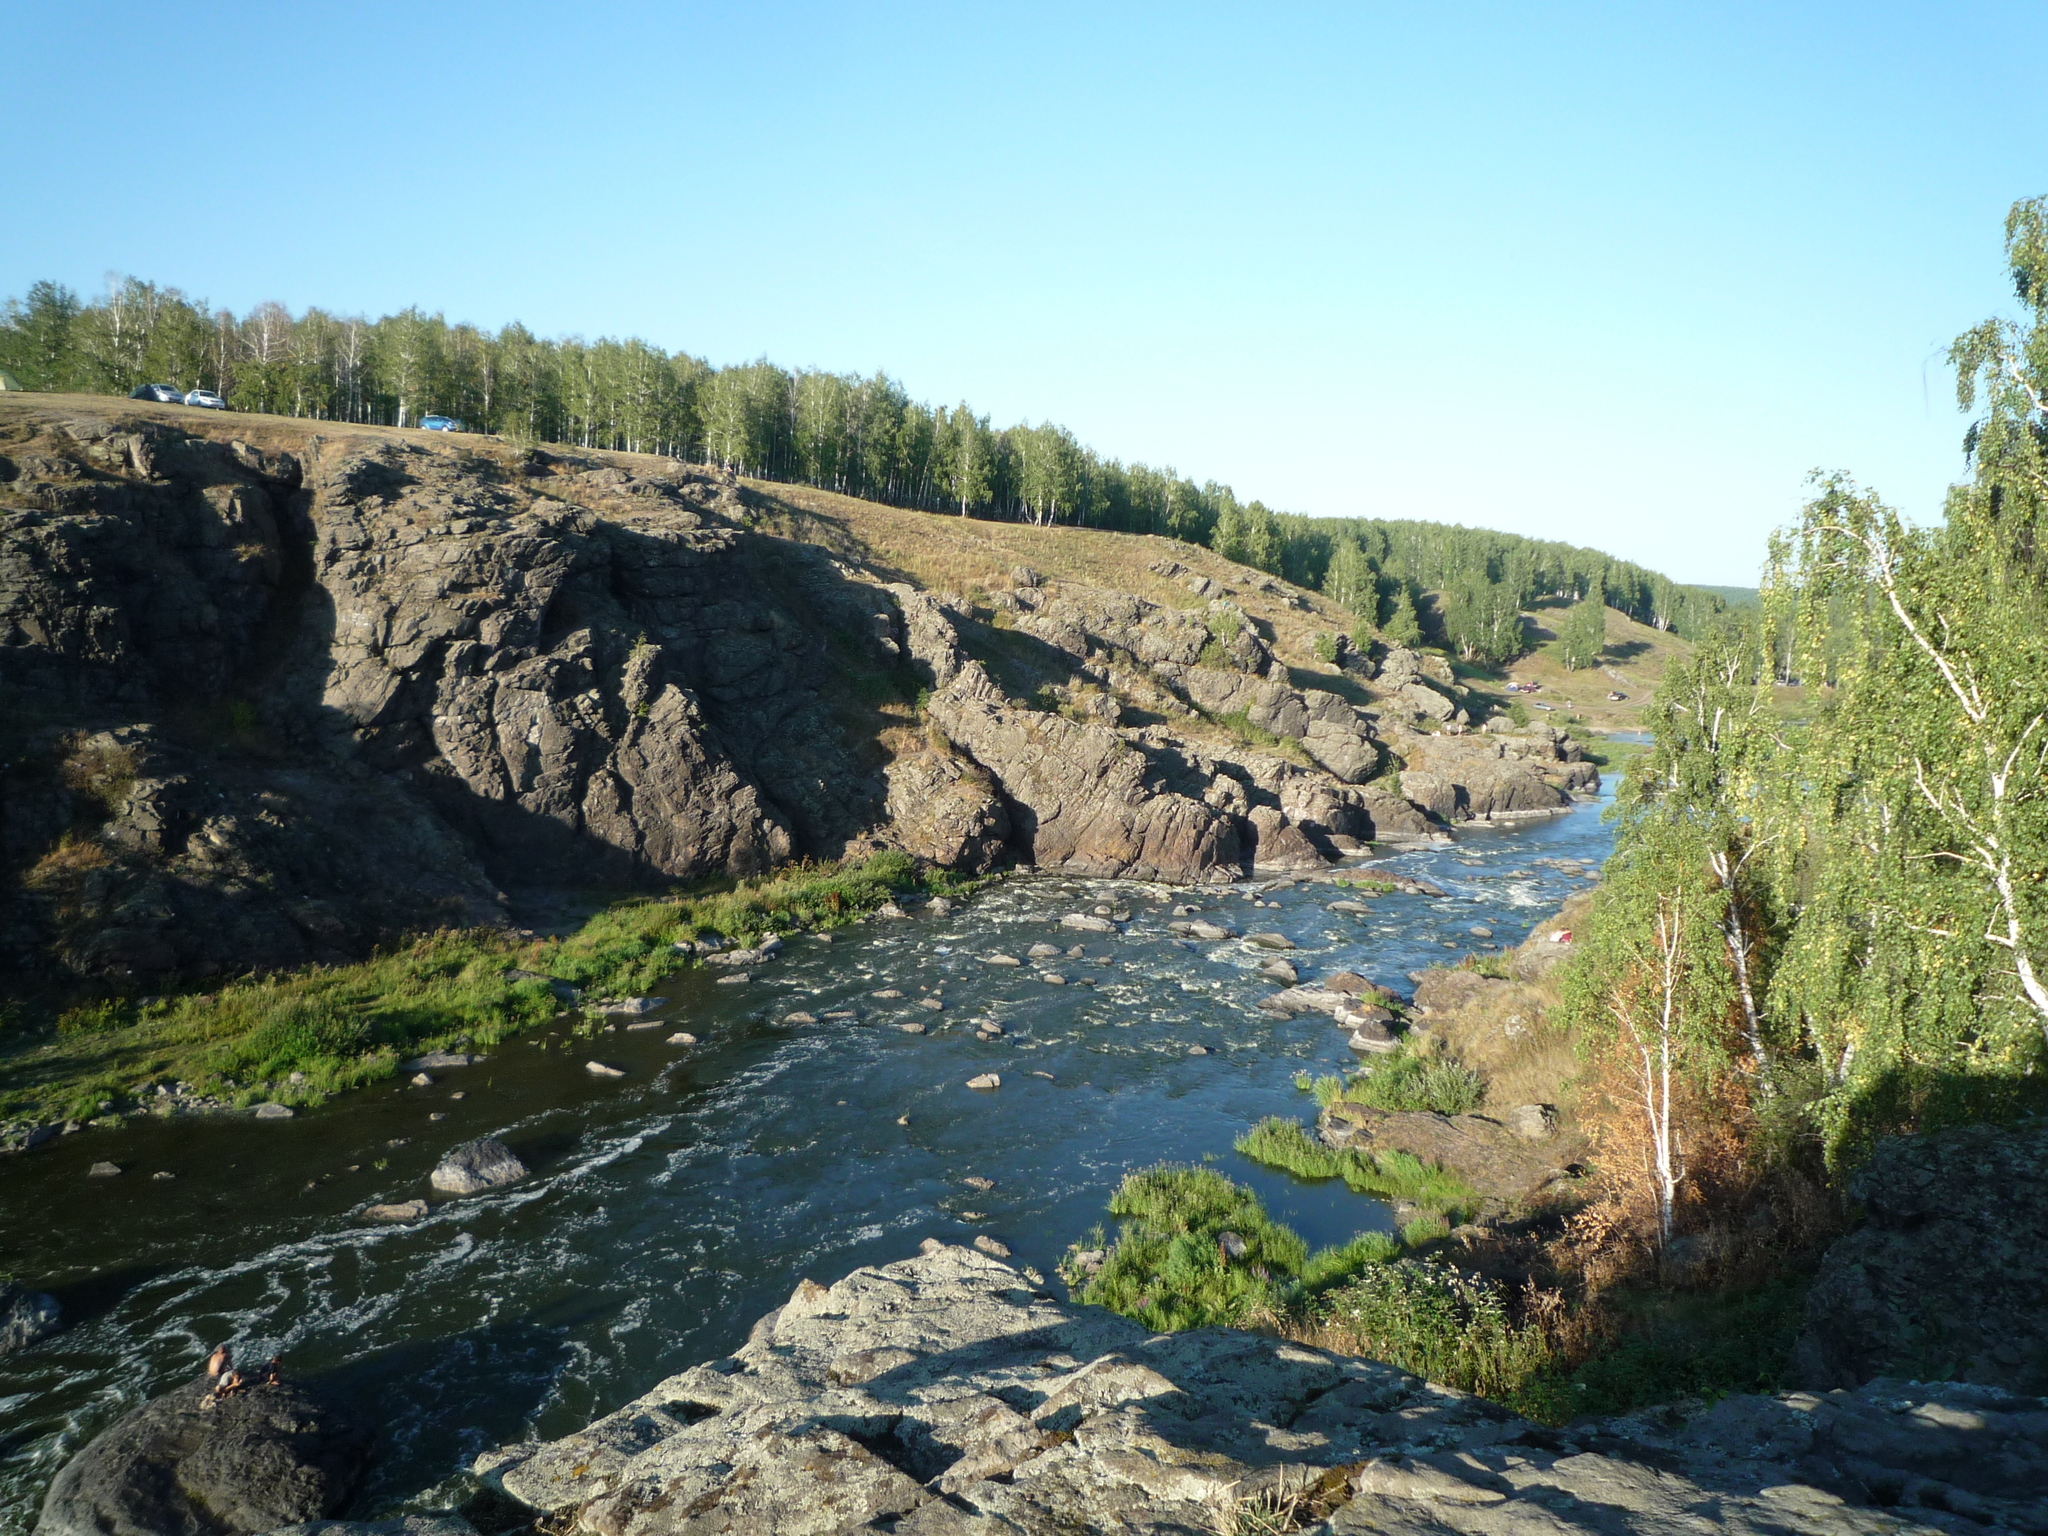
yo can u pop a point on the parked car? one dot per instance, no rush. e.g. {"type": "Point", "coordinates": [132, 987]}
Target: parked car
{"type": "Point", "coordinates": [162, 394]}
{"type": "Point", "coordinates": [206, 398]}
{"type": "Point", "coordinates": [441, 424]}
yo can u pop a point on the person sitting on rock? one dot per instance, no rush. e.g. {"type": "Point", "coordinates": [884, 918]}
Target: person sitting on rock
{"type": "Point", "coordinates": [217, 1362]}
{"type": "Point", "coordinates": [273, 1373]}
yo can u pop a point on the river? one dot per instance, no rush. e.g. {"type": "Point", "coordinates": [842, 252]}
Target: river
{"type": "Point", "coordinates": [674, 1205]}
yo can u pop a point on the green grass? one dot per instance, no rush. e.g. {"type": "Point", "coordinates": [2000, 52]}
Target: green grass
{"type": "Point", "coordinates": [1168, 1270]}
{"type": "Point", "coordinates": [1403, 1079]}
{"type": "Point", "coordinates": [340, 1027]}
{"type": "Point", "coordinates": [1448, 1327]}
{"type": "Point", "coordinates": [1280, 1143]}
{"type": "Point", "coordinates": [1367, 883]}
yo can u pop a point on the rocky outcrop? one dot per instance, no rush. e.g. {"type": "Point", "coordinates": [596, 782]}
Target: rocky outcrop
{"type": "Point", "coordinates": [180, 1465]}
{"type": "Point", "coordinates": [948, 1395]}
{"type": "Point", "coordinates": [279, 692]}
{"type": "Point", "coordinates": [1946, 1276]}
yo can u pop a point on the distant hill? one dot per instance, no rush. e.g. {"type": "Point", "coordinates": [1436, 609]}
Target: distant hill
{"type": "Point", "coordinates": [1734, 597]}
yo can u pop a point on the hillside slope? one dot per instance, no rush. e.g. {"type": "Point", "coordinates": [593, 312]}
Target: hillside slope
{"type": "Point", "coordinates": [277, 690]}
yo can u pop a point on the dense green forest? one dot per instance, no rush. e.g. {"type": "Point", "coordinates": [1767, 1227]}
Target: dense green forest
{"type": "Point", "coordinates": [1827, 915]}
{"type": "Point", "coordinates": [1461, 588]}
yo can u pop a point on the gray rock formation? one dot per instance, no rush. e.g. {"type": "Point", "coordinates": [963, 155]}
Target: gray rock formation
{"type": "Point", "coordinates": [1947, 1275]}
{"type": "Point", "coordinates": [264, 1458]}
{"type": "Point", "coordinates": [284, 692]}
{"type": "Point", "coordinates": [947, 1396]}
{"type": "Point", "coordinates": [475, 1166]}
{"type": "Point", "coordinates": [25, 1317]}
{"type": "Point", "coordinates": [401, 1525]}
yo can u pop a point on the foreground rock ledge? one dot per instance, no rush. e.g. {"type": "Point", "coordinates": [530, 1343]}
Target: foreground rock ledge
{"type": "Point", "coordinates": [945, 1395]}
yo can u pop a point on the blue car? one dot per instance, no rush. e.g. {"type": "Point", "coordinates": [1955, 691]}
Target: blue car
{"type": "Point", "coordinates": [441, 424]}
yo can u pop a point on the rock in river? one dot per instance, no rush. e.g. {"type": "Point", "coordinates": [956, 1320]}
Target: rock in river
{"type": "Point", "coordinates": [405, 1210]}
{"type": "Point", "coordinates": [602, 1069]}
{"type": "Point", "coordinates": [436, 1061]}
{"type": "Point", "coordinates": [25, 1317]}
{"type": "Point", "coordinates": [1087, 922]}
{"type": "Point", "coordinates": [260, 1460]}
{"type": "Point", "coordinates": [477, 1165]}
{"type": "Point", "coordinates": [986, 1080]}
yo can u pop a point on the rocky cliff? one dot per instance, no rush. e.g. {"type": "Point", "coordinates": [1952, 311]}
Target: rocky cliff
{"type": "Point", "coordinates": [271, 691]}
{"type": "Point", "coordinates": [948, 1395]}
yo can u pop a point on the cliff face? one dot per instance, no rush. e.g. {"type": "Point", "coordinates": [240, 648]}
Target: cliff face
{"type": "Point", "coordinates": [274, 690]}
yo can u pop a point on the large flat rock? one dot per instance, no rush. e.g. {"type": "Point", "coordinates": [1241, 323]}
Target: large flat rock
{"type": "Point", "coordinates": [946, 1395]}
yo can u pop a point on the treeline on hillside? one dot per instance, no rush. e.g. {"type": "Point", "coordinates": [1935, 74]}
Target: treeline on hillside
{"type": "Point", "coordinates": [1458, 587]}
{"type": "Point", "coordinates": [1825, 929]}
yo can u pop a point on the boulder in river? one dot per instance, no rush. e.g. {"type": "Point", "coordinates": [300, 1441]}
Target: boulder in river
{"type": "Point", "coordinates": [1088, 922]}
{"type": "Point", "coordinates": [987, 1080]}
{"type": "Point", "coordinates": [25, 1317]}
{"type": "Point", "coordinates": [1270, 940]}
{"type": "Point", "coordinates": [602, 1069]}
{"type": "Point", "coordinates": [266, 1458]}
{"type": "Point", "coordinates": [438, 1061]}
{"type": "Point", "coordinates": [1197, 928]}
{"type": "Point", "coordinates": [477, 1165]}
{"type": "Point", "coordinates": [404, 1210]}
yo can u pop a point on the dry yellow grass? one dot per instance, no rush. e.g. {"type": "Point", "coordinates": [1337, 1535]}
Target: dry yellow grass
{"type": "Point", "coordinates": [1634, 663]}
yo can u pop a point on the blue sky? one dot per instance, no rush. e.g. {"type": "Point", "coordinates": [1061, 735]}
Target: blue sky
{"type": "Point", "coordinates": [1619, 274]}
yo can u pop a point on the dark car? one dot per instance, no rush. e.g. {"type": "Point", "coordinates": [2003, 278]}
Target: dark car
{"type": "Point", "coordinates": [163, 394]}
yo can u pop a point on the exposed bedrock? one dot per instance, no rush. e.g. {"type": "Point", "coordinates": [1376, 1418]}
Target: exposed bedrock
{"type": "Point", "coordinates": [275, 693]}
{"type": "Point", "coordinates": [948, 1395]}
{"type": "Point", "coordinates": [1946, 1276]}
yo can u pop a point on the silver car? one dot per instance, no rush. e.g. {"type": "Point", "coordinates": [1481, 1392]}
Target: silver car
{"type": "Point", "coordinates": [206, 398]}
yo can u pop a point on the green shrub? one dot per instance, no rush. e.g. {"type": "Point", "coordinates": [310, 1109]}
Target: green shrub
{"type": "Point", "coordinates": [1332, 1266]}
{"type": "Point", "coordinates": [1326, 648]}
{"type": "Point", "coordinates": [92, 1018]}
{"type": "Point", "coordinates": [1168, 1268]}
{"type": "Point", "coordinates": [1450, 1328]}
{"type": "Point", "coordinates": [1410, 1079]}
{"type": "Point", "coordinates": [1518, 713]}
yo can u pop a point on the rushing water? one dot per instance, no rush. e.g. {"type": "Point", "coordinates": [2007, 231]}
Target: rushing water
{"type": "Point", "coordinates": [671, 1207]}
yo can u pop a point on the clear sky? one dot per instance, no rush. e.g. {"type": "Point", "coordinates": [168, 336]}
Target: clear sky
{"type": "Point", "coordinates": [1619, 274]}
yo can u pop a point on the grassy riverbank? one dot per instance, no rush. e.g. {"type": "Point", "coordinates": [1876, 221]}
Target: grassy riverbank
{"type": "Point", "coordinates": [1196, 1250]}
{"type": "Point", "coordinates": [299, 1037]}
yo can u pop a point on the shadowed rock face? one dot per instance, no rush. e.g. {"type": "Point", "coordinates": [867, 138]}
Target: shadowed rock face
{"type": "Point", "coordinates": [273, 702]}
{"type": "Point", "coordinates": [947, 1394]}
{"type": "Point", "coordinates": [265, 1458]}
{"type": "Point", "coordinates": [1946, 1278]}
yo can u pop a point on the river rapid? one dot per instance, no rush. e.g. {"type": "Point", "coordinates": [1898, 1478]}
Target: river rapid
{"type": "Point", "coordinates": [672, 1206]}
